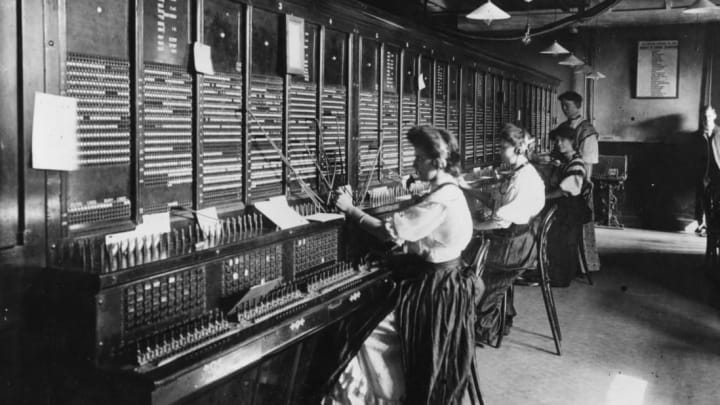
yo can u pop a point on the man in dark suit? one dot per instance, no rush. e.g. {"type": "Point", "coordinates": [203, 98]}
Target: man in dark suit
{"type": "Point", "coordinates": [711, 191]}
{"type": "Point", "coordinates": [710, 163]}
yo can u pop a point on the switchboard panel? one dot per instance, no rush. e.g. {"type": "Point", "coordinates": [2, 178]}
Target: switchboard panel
{"type": "Point", "coordinates": [505, 98]}
{"type": "Point", "coordinates": [547, 113]}
{"type": "Point", "coordinates": [266, 108]}
{"type": "Point", "coordinates": [221, 132]}
{"type": "Point", "coordinates": [441, 95]}
{"type": "Point", "coordinates": [488, 116]}
{"type": "Point", "coordinates": [425, 105]}
{"type": "Point", "coordinates": [527, 109]}
{"type": "Point", "coordinates": [97, 75]}
{"type": "Point", "coordinates": [498, 117]}
{"type": "Point", "coordinates": [453, 125]}
{"type": "Point", "coordinates": [369, 150]}
{"type": "Point", "coordinates": [334, 106]}
{"type": "Point", "coordinates": [391, 111]}
{"type": "Point", "coordinates": [541, 111]}
{"type": "Point", "coordinates": [303, 122]}
{"type": "Point", "coordinates": [409, 109]}
{"type": "Point", "coordinates": [482, 135]}
{"type": "Point", "coordinates": [533, 110]}
{"type": "Point", "coordinates": [468, 111]}
{"type": "Point", "coordinates": [166, 152]}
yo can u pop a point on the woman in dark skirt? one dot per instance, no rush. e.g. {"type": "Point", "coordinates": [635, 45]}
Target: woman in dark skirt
{"type": "Point", "coordinates": [433, 321]}
{"type": "Point", "coordinates": [508, 232]}
{"type": "Point", "coordinates": [572, 213]}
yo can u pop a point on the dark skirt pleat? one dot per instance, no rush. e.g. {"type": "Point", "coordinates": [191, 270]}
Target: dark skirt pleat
{"type": "Point", "coordinates": [510, 253]}
{"type": "Point", "coordinates": [436, 317]}
{"type": "Point", "coordinates": [564, 239]}
{"type": "Point", "coordinates": [497, 280]}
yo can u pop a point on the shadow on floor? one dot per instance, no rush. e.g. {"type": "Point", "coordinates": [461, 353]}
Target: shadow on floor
{"type": "Point", "coordinates": [681, 273]}
{"type": "Point", "coordinates": [667, 319]}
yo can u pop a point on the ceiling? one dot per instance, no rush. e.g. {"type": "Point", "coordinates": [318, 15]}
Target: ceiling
{"type": "Point", "coordinates": [549, 14]}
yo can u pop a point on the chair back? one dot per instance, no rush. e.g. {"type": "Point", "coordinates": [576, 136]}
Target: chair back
{"type": "Point", "coordinates": [546, 220]}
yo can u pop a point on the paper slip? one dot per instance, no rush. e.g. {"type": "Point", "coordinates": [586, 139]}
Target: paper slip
{"type": "Point", "coordinates": [154, 224]}
{"type": "Point", "coordinates": [324, 217]}
{"type": "Point", "coordinates": [280, 213]}
{"type": "Point", "coordinates": [54, 133]}
{"type": "Point", "coordinates": [203, 59]}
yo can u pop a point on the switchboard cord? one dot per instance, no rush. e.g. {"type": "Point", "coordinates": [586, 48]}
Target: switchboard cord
{"type": "Point", "coordinates": [196, 214]}
{"type": "Point", "coordinates": [305, 188]}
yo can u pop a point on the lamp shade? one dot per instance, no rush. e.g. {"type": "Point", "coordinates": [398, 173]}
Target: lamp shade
{"type": "Point", "coordinates": [488, 12]}
{"type": "Point", "coordinates": [701, 6]}
{"type": "Point", "coordinates": [555, 49]}
{"type": "Point", "coordinates": [571, 60]}
{"type": "Point", "coordinates": [595, 75]}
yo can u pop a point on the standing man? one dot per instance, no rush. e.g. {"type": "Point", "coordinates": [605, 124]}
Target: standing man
{"type": "Point", "coordinates": [712, 161]}
{"type": "Point", "coordinates": [708, 165]}
{"type": "Point", "coordinates": [586, 144]}
{"type": "Point", "coordinates": [586, 137]}
{"type": "Point", "coordinates": [711, 190]}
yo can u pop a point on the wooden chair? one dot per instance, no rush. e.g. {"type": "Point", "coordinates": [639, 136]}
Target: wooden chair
{"type": "Point", "coordinates": [546, 220]}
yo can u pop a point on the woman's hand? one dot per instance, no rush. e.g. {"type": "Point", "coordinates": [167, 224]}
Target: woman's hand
{"type": "Point", "coordinates": [343, 200]}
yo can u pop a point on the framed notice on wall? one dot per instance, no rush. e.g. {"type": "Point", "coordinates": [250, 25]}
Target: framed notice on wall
{"type": "Point", "coordinates": [657, 69]}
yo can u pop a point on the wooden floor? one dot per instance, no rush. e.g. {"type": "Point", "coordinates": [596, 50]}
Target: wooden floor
{"type": "Point", "coordinates": [647, 333]}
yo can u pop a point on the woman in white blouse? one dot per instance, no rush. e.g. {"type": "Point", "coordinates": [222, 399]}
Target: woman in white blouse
{"type": "Point", "coordinates": [512, 244]}
{"type": "Point", "coordinates": [432, 325]}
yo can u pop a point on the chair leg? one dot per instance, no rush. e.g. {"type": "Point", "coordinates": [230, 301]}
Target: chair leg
{"type": "Point", "coordinates": [551, 313]}
{"type": "Point", "coordinates": [582, 256]}
{"type": "Point", "coordinates": [503, 314]}
{"type": "Point", "coordinates": [551, 299]}
{"type": "Point", "coordinates": [555, 315]}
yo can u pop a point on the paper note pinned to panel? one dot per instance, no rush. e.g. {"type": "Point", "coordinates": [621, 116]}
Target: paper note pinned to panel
{"type": "Point", "coordinates": [421, 82]}
{"type": "Point", "coordinates": [280, 213]}
{"type": "Point", "coordinates": [54, 133]}
{"type": "Point", "coordinates": [203, 59]}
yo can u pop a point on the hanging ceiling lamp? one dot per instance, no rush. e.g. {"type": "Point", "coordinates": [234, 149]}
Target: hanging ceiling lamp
{"type": "Point", "coordinates": [595, 75]}
{"type": "Point", "coordinates": [488, 12]}
{"type": "Point", "coordinates": [571, 60]}
{"type": "Point", "coordinates": [555, 49]}
{"type": "Point", "coordinates": [701, 7]}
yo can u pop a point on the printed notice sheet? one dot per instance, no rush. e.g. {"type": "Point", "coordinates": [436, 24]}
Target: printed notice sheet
{"type": "Point", "coordinates": [657, 69]}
